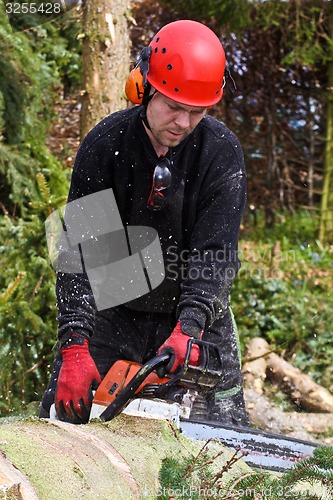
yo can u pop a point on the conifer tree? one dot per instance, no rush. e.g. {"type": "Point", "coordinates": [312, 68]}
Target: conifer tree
{"type": "Point", "coordinates": [28, 174]}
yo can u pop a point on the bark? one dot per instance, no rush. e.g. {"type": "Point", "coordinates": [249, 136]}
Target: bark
{"type": "Point", "coordinates": [106, 59]}
{"type": "Point", "coordinates": [300, 387]}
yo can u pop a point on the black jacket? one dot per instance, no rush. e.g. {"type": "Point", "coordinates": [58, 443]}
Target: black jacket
{"type": "Point", "coordinates": [198, 227]}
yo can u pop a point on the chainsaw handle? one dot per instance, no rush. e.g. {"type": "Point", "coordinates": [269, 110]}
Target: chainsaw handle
{"type": "Point", "coordinates": [204, 346]}
{"type": "Point", "coordinates": [131, 388]}
{"type": "Point", "coordinates": [128, 392]}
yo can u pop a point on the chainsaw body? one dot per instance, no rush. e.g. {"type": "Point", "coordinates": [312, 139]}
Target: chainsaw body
{"type": "Point", "coordinates": [126, 379]}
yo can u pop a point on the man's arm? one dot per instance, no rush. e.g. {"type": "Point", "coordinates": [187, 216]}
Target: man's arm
{"type": "Point", "coordinates": [213, 262]}
{"type": "Point", "coordinates": [75, 301]}
{"type": "Point", "coordinates": [78, 374]}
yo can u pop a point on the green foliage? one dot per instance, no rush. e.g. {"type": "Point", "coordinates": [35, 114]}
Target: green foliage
{"type": "Point", "coordinates": [26, 81]}
{"type": "Point", "coordinates": [233, 13]}
{"type": "Point", "coordinates": [297, 228]}
{"type": "Point", "coordinates": [32, 66]}
{"type": "Point", "coordinates": [59, 43]}
{"type": "Point", "coordinates": [194, 476]}
{"type": "Point", "coordinates": [173, 474]}
{"type": "Point", "coordinates": [27, 303]}
{"type": "Point", "coordinates": [28, 173]}
{"type": "Point", "coordinates": [309, 478]}
{"type": "Point", "coordinates": [16, 172]}
{"type": "Point", "coordinates": [284, 293]}
{"type": "Point", "coordinates": [307, 37]}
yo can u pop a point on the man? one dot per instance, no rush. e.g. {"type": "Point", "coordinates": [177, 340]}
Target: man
{"type": "Point", "coordinates": [172, 168]}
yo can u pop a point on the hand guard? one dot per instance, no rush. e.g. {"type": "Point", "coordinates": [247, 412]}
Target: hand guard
{"type": "Point", "coordinates": [176, 346]}
{"type": "Point", "coordinates": [77, 378]}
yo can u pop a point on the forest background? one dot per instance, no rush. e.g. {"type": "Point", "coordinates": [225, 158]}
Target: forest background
{"type": "Point", "coordinates": [278, 100]}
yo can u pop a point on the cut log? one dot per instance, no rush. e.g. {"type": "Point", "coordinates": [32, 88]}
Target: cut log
{"type": "Point", "coordinates": [117, 460]}
{"type": "Point", "coordinates": [255, 366]}
{"type": "Point", "coordinates": [300, 387]}
{"type": "Point", "coordinates": [269, 417]}
{"type": "Point", "coordinates": [14, 484]}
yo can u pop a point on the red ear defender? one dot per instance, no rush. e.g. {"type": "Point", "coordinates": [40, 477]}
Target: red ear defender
{"type": "Point", "coordinates": [134, 87]}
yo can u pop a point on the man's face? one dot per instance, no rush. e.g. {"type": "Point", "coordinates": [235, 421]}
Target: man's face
{"type": "Point", "coordinates": [171, 122]}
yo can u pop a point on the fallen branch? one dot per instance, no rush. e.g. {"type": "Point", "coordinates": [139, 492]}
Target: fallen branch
{"type": "Point", "coordinates": [300, 387]}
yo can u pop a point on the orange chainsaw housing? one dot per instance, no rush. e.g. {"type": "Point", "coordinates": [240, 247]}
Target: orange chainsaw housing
{"type": "Point", "coordinates": [117, 378]}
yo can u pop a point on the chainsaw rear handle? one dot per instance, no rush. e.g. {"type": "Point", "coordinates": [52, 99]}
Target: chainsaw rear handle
{"type": "Point", "coordinates": [188, 375]}
{"type": "Point", "coordinates": [204, 360]}
{"type": "Point", "coordinates": [130, 389]}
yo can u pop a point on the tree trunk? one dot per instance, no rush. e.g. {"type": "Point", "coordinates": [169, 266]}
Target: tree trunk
{"type": "Point", "coordinates": [271, 155]}
{"type": "Point", "coordinates": [311, 159]}
{"type": "Point", "coordinates": [106, 59]}
{"type": "Point", "coordinates": [326, 213]}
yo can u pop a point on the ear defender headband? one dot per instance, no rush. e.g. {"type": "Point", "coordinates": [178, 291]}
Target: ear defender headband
{"type": "Point", "coordinates": [137, 86]}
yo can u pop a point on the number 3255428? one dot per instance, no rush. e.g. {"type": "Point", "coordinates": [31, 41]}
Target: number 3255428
{"type": "Point", "coordinates": [33, 8]}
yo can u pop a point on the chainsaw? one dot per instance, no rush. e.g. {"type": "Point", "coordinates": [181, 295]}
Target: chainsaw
{"type": "Point", "coordinates": [127, 380]}
{"type": "Point", "coordinates": [137, 389]}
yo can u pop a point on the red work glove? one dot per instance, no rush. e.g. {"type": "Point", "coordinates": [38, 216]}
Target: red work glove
{"type": "Point", "coordinates": [176, 345]}
{"type": "Point", "coordinates": [77, 378]}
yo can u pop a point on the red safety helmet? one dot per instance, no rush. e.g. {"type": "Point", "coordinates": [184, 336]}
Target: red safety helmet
{"type": "Point", "coordinates": [186, 63]}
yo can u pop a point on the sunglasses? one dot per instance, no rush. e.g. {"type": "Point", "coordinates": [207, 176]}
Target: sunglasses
{"type": "Point", "coordinates": [161, 181]}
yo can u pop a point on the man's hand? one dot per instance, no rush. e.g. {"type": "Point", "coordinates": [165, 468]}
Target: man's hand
{"type": "Point", "coordinates": [77, 378]}
{"type": "Point", "coordinates": [176, 346]}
